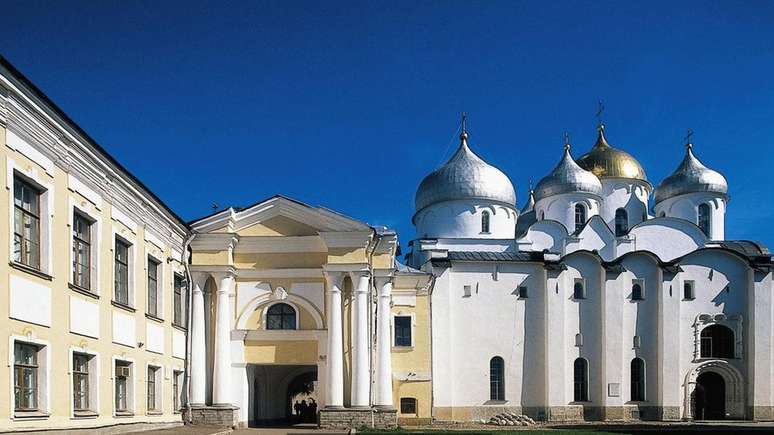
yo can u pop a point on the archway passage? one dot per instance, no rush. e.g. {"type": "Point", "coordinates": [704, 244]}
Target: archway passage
{"type": "Point", "coordinates": [710, 397]}
{"type": "Point", "coordinates": [282, 395]}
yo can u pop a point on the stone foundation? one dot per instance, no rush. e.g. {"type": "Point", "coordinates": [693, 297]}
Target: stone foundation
{"type": "Point", "coordinates": [106, 430]}
{"type": "Point", "coordinates": [346, 418]}
{"type": "Point", "coordinates": [569, 413]}
{"type": "Point", "coordinates": [220, 416]}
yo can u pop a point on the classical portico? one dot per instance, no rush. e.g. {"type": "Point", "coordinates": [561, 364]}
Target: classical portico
{"type": "Point", "coordinates": [286, 298]}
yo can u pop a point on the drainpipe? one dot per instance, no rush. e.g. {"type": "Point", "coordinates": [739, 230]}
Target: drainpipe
{"type": "Point", "coordinates": [372, 288]}
{"type": "Point", "coordinates": [189, 319]}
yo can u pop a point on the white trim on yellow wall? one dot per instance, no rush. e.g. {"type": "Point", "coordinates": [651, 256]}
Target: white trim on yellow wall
{"type": "Point", "coordinates": [44, 375]}
{"type": "Point", "coordinates": [46, 210]}
{"type": "Point", "coordinates": [131, 389]}
{"type": "Point", "coordinates": [96, 244]}
{"type": "Point", "coordinates": [95, 367]}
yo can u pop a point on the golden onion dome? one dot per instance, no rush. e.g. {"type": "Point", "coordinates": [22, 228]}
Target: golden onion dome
{"type": "Point", "coordinates": [608, 162]}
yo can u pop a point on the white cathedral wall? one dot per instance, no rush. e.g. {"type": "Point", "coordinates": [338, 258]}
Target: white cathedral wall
{"type": "Point", "coordinates": [470, 330]}
{"type": "Point", "coordinates": [712, 272]}
{"type": "Point", "coordinates": [667, 238]}
{"type": "Point", "coordinates": [640, 318]}
{"type": "Point", "coordinates": [462, 219]}
{"type": "Point", "coordinates": [561, 208]}
{"type": "Point", "coordinates": [584, 317]}
{"type": "Point", "coordinates": [618, 193]}
{"type": "Point", "coordinates": [687, 207]}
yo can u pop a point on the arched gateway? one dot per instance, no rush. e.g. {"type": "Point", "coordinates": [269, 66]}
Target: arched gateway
{"type": "Point", "coordinates": [714, 391]}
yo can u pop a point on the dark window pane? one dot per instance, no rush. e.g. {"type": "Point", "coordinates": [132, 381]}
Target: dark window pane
{"type": "Point", "coordinates": [403, 331]}
{"type": "Point", "coordinates": [281, 316]}
{"type": "Point", "coordinates": [496, 379]}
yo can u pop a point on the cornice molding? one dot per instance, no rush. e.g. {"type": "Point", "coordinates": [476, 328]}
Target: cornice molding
{"type": "Point", "coordinates": [214, 241]}
{"type": "Point", "coordinates": [349, 239]}
{"type": "Point", "coordinates": [32, 120]}
{"type": "Point", "coordinates": [280, 244]}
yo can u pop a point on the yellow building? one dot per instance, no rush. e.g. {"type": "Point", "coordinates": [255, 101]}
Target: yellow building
{"type": "Point", "coordinates": [287, 295]}
{"type": "Point", "coordinates": [94, 298]}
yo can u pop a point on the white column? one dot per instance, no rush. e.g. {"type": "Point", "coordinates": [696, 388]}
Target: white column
{"type": "Point", "coordinates": [198, 343]}
{"type": "Point", "coordinates": [335, 359]}
{"type": "Point", "coordinates": [383, 344]}
{"type": "Point", "coordinates": [361, 380]}
{"type": "Point", "coordinates": [221, 384]}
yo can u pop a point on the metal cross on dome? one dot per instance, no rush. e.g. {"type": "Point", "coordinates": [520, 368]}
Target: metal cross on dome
{"type": "Point", "coordinates": [600, 110]}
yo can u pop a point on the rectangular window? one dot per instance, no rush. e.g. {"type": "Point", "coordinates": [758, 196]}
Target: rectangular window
{"type": "Point", "coordinates": [403, 331]}
{"type": "Point", "coordinates": [177, 377]}
{"type": "Point", "coordinates": [122, 272]}
{"type": "Point", "coordinates": [688, 290]}
{"type": "Point", "coordinates": [26, 223]}
{"type": "Point", "coordinates": [25, 377]}
{"type": "Point", "coordinates": [152, 402]}
{"type": "Point", "coordinates": [180, 302]}
{"type": "Point", "coordinates": [81, 251]}
{"type": "Point", "coordinates": [579, 289]}
{"type": "Point", "coordinates": [523, 292]}
{"type": "Point", "coordinates": [153, 287]}
{"type": "Point", "coordinates": [81, 381]}
{"type": "Point", "coordinates": [122, 377]}
{"type": "Point", "coordinates": [408, 405]}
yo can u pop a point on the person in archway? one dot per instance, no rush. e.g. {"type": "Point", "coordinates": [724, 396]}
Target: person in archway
{"type": "Point", "coordinates": [297, 409]}
{"type": "Point", "coordinates": [312, 410]}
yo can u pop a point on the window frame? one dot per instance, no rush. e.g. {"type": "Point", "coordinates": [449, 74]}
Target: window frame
{"type": "Point", "coordinates": [283, 317]}
{"type": "Point", "coordinates": [410, 317]}
{"type": "Point", "coordinates": [692, 285]}
{"type": "Point", "coordinates": [497, 383]}
{"type": "Point", "coordinates": [119, 241]}
{"type": "Point", "coordinates": [580, 387]}
{"type": "Point", "coordinates": [639, 382]}
{"type": "Point", "coordinates": [179, 301]}
{"type": "Point", "coordinates": [43, 377]}
{"type": "Point", "coordinates": [93, 383]}
{"type": "Point", "coordinates": [36, 260]}
{"type": "Point", "coordinates": [582, 212]}
{"type": "Point", "coordinates": [583, 294]}
{"type": "Point", "coordinates": [706, 225]}
{"type": "Point", "coordinates": [177, 390]}
{"type": "Point", "coordinates": [153, 390]}
{"type": "Point", "coordinates": [409, 401]}
{"type": "Point", "coordinates": [641, 284]}
{"type": "Point", "coordinates": [154, 307]}
{"type": "Point", "coordinates": [724, 349]}
{"type": "Point", "coordinates": [485, 222]}
{"type": "Point", "coordinates": [128, 383]}
{"type": "Point", "coordinates": [621, 222]}
{"type": "Point", "coordinates": [77, 241]}
{"type": "Point", "coordinates": [19, 381]}
{"type": "Point", "coordinates": [77, 375]}
{"type": "Point", "coordinates": [43, 182]}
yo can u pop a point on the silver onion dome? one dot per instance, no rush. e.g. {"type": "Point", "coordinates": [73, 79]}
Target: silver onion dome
{"type": "Point", "coordinates": [567, 177]}
{"type": "Point", "coordinates": [691, 177]}
{"type": "Point", "coordinates": [465, 176]}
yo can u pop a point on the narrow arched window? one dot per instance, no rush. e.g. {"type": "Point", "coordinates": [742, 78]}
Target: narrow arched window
{"type": "Point", "coordinates": [621, 222]}
{"type": "Point", "coordinates": [581, 380]}
{"type": "Point", "coordinates": [717, 341]}
{"type": "Point", "coordinates": [485, 222]}
{"type": "Point", "coordinates": [637, 292]}
{"type": "Point", "coordinates": [704, 219]}
{"type": "Point", "coordinates": [638, 380]}
{"type": "Point", "coordinates": [281, 316]}
{"type": "Point", "coordinates": [496, 379]}
{"type": "Point", "coordinates": [580, 216]}
{"type": "Point", "coordinates": [542, 215]}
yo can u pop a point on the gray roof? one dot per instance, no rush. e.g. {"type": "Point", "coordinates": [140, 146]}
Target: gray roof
{"type": "Point", "coordinates": [494, 256]}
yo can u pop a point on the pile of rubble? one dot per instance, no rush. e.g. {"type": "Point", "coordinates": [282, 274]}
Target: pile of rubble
{"type": "Point", "coordinates": [510, 419]}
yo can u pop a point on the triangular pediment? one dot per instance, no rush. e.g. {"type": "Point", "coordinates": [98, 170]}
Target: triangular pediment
{"type": "Point", "coordinates": [278, 216]}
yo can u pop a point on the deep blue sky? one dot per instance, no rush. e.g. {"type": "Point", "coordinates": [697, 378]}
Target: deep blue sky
{"type": "Point", "coordinates": [349, 105]}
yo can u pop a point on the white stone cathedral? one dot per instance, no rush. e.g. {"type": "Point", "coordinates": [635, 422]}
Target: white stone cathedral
{"type": "Point", "coordinates": [588, 303]}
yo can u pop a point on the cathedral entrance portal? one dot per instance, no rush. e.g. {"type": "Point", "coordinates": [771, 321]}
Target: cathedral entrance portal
{"type": "Point", "coordinates": [282, 395]}
{"type": "Point", "coordinates": [710, 397]}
